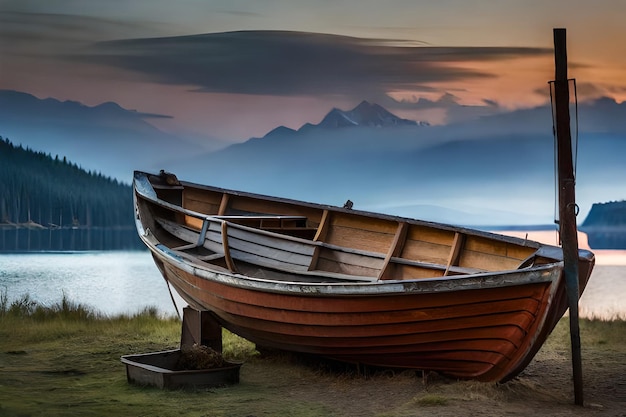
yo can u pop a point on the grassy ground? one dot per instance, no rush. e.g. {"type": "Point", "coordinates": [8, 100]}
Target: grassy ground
{"type": "Point", "coordinates": [65, 361]}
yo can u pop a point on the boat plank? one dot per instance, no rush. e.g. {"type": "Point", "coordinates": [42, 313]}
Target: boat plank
{"type": "Point", "coordinates": [487, 261]}
{"type": "Point", "coordinates": [357, 232]}
{"type": "Point", "coordinates": [350, 258]}
{"type": "Point", "coordinates": [407, 320]}
{"type": "Point", "coordinates": [429, 234]}
{"type": "Point", "coordinates": [500, 249]}
{"type": "Point", "coordinates": [399, 271]}
{"type": "Point", "coordinates": [245, 236]}
{"type": "Point", "coordinates": [240, 204]}
{"type": "Point", "coordinates": [201, 201]}
{"type": "Point", "coordinates": [363, 303]}
{"type": "Point", "coordinates": [509, 326]}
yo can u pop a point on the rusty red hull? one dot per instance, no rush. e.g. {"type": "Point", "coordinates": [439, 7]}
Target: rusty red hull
{"type": "Point", "coordinates": [480, 334]}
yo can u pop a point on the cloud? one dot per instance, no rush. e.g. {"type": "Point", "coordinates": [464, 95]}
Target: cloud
{"type": "Point", "coordinates": [587, 91]}
{"type": "Point", "coordinates": [453, 110]}
{"type": "Point", "coordinates": [239, 13]}
{"type": "Point", "coordinates": [40, 34]}
{"type": "Point", "coordinates": [295, 63]}
{"type": "Point", "coordinates": [447, 100]}
{"type": "Point", "coordinates": [53, 34]}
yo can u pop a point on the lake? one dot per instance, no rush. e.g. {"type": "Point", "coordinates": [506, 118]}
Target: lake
{"type": "Point", "coordinates": [112, 282]}
{"type": "Point", "coordinates": [115, 282]}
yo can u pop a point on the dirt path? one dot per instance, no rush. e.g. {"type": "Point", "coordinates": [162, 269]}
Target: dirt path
{"type": "Point", "coordinates": [545, 388]}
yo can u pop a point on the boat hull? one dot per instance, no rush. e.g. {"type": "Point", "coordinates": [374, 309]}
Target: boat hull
{"type": "Point", "coordinates": [476, 333]}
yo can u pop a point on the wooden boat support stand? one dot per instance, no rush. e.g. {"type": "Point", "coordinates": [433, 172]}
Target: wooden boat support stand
{"type": "Point", "coordinates": [355, 286]}
{"type": "Point", "coordinates": [185, 367]}
{"type": "Point", "coordinates": [200, 328]}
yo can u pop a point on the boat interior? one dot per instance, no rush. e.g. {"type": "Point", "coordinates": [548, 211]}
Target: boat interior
{"type": "Point", "coordinates": [263, 236]}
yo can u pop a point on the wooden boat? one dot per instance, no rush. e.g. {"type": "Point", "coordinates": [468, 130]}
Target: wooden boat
{"type": "Point", "coordinates": [355, 286]}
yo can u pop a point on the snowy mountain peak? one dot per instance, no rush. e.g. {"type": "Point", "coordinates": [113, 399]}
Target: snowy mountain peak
{"type": "Point", "coordinates": [365, 114]}
{"type": "Point", "coordinates": [337, 118]}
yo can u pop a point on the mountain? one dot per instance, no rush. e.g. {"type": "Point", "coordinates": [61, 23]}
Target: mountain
{"type": "Point", "coordinates": [365, 114]}
{"type": "Point", "coordinates": [496, 171]}
{"type": "Point", "coordinates": [605, 225]}
{"type": "Point", "coordinates": [105, 138]}
{"type": "Point", "coordinates": [493, 171]}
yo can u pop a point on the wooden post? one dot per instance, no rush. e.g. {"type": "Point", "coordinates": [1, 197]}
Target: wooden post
{"type": "Point", "coordinates": [567, 203]}
{"type": "Point", "coordinates": [200, 328]}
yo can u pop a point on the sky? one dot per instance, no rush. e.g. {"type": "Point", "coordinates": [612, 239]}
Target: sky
{"type": "Point", "coordinates": [230, 70]}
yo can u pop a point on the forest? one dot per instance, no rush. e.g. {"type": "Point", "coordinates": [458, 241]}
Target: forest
{"type": "Point", "coordinates": [50, 203]}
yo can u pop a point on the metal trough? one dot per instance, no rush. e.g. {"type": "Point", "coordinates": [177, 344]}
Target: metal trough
{"type": "Point", "coordinates": [158, 369]}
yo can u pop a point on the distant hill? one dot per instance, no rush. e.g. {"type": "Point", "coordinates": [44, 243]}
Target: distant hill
{"type": "Point", "coordinates": [496, 170]}
{"type": "Point", "coordinates": [104, 138]}
{"type": "Point", "coordinates": [605, 225]}
{"type": "Point", "coordinates": [49, 203]}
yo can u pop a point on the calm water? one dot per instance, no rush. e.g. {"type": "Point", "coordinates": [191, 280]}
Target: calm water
{"type": "Point", "coordinates": [127, 282]}
{"type": "Point", "coordinates": [111, 282]}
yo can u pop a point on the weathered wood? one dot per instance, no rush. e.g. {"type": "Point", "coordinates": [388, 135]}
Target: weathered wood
{"type": "Point", "coordinates": [348, 262]}
{"type": "Point", "coordinates": [223, 205]}
{"type": "Point", "coordinates": [427, 244]}
{"type": "Point", "coordinates": [438, 267]}
{"type": "Point", "coordinates": [287, 254]}
{"type": "Point", "coordinates": [395, 250]}
{"type": "Point", "coordinates": [245, 205]}
{"type": "Point", "coordinates": [360, 232]}
{"type": "Point", "coordinates": [196, 200]}
{"type": "Point", "coordinates": [200, 328]}
{"type": "Point", "coordinates": [322, 229]}
{"type": "Point", "coordinates": [226, 248]}
{"type": "Point", "coordinates": [455, 253]}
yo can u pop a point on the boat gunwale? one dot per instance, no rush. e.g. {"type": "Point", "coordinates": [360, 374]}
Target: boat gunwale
{"type": "Point", "coordinates": [382, 216]}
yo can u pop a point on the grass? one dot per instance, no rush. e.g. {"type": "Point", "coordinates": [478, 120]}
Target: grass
{"type": "Point", "coordinates": [64, 360]}
{"type": "Point", "coordinates": [432, 400]}
{"type": "Point", "coordinates": [598, 333]}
